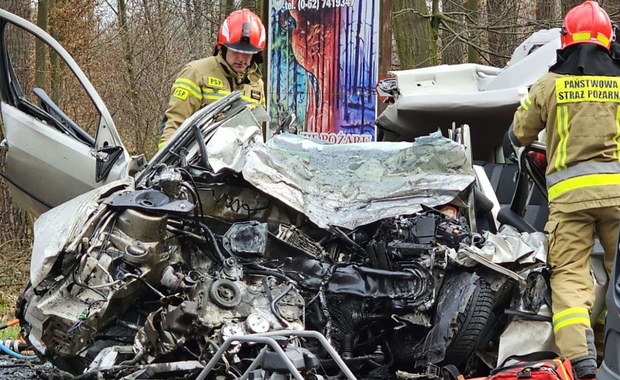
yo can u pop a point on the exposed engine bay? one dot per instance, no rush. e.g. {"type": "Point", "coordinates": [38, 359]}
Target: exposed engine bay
{"type": "Point", "coordinates": [224, 244]}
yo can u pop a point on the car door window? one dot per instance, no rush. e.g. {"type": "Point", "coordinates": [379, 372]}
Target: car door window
{"type": "Point", "coordinates": [44, 87]}
{"type": "Point", "coordinates": [59, 139]}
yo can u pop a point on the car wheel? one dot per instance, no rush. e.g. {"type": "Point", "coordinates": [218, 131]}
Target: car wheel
{"type": "Point", "coordinates": [470, 325]}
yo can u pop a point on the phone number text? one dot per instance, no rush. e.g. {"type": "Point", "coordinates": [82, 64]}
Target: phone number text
{"type": "Point", "coordinates": [321, 4]}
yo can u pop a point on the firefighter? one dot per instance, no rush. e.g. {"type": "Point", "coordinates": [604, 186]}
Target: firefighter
{"type": "Point", "coordinates": [577, 102]}
{"type": "Point", "coordinates": [234, 66]}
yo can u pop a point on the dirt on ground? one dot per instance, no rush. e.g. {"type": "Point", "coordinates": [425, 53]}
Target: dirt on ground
{"type": "Point", "coordinates": [14, 272]}
{"type": "Point", "coordinates": [20, 369]}
{"type": "Point", "coordinates": [11, 368]}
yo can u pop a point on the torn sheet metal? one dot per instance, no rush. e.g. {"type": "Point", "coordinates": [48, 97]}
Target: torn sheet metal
{"type": "Point", "coordinates": [505, 247]}
{"type": "Point", "coordinates": [512, 246]}
{"type": "Point", "coordinates": [470, 256]}
{"type": "Point", "coordinates": [353, 184]}
{"type": "Point", "coordinates": [57, 227]}
{"type": "Point", "coordinates": [230, 143]}
{"type": "Point", "coordinates": [523, 336]}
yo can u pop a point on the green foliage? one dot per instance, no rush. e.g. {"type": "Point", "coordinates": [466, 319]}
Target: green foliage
{"type": "Point", "coordinates": [10, 333]}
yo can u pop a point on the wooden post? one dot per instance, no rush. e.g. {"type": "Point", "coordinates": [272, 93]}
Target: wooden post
{"type": "Point", "coordinates": [385, 44]}
{"type": "Point", "coordinates": [263, 11]}
{"type": "Point", "coordinates": [263, 7]}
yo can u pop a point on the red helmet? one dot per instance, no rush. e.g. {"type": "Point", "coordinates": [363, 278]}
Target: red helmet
{"type": "Point", "coordinates": [242, 31]}
{"type": "Point", "coordinates": [587, 23]}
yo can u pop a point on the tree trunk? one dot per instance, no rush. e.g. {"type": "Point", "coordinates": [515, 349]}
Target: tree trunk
{"type": "Point", "coordinates": [23, 9]}
{"type": "Point", "coordinates": [127, 46]}
{"type": "Point", "coordinates": [414, 34]}
{"type": "Point", "coordinates": [130, 78]}
{"type": "Point", "coordinates": [452, 48]}
{"type": "Point", "coordinates": [197, 21]}
{"type": "Point", "coordinates": [260, 7]}
{"type": "Point", "coordinates": [40, 66]}
{"type": "Point", "coordinates": [249, 4]}
{"type": "Point", "coordinates": [502, 27]}
{"type": "Point", "coordinates": [568, 4]}
{"type": "Point", "coordinates": [548, 11]}
{"type": "Point", "coordinates": [228, 7]}
{"type": "Point", "coordinates": [473, 55]}
{"type": "Point", "coordinates": [612, 7]}
{"type": "Point", "coordinates": [56, 65]}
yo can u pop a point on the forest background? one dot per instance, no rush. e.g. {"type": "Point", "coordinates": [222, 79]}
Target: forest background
{"type": "Point", "coordinates": [132, 50]}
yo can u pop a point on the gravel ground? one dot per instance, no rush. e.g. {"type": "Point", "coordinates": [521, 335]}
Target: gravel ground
{"type": "Point", "coordinates": [20, 369]}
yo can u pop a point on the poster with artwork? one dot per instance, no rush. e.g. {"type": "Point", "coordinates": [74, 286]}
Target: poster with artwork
{"type": "Point", "coordinates": [323, 64]}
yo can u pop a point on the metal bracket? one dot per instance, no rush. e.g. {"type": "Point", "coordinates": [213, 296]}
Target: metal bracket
{"type": "Point", "coordinates": [472, 253]}
{"type": "Point", "coordinates": [267, 339]}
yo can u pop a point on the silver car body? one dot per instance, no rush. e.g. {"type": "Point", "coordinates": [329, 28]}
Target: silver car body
{"type": "Point", "coordinates": [65, 166]}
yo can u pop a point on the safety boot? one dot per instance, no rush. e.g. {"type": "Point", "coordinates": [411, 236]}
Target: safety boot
{"type": "Point", "coordinates": [584, 367]}
{"type": "Point", "coordinates": [599, 341]}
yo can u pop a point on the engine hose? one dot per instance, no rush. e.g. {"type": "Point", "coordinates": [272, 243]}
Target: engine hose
{"type": "Point", "coordinates": [385, 273]}
{"type": "Point", "coordinates": [135, 359]}
{"type": "Point", "coordinates": [210, 236]}
{"type": "Point", "coordinates": [15, 345]}
{"type": "Point", "coordinates": [274, 307]}
{"type": "Point", "coordinates": [16, 355]}
{"type": "Point", "coordinates": [347, 345]}
{"type": "Point", "coordinates": [9, 324]}
{"type": "Point", "coordinates": [273, 273]}
{"type": "Point", "coordinates": [216, 246]}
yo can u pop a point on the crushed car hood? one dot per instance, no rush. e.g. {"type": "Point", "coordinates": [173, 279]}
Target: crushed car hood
{"type": "Point", "coordinates": [347, 185]}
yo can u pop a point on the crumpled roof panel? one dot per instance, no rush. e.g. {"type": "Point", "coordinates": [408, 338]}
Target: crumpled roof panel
{"type": "Point", "coordinates": [354, 184]}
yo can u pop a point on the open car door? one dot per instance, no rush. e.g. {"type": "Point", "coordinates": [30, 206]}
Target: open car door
{"type": "Point", "coordinates": [59, 138]}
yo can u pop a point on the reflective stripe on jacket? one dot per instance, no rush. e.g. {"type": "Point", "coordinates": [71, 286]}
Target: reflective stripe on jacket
{"type": "Point", "coordinates": [582, 117]}
{"type": "Point", "coordinates": [571, 316]}
{"type": "Point", "coordinates": [204, 81]}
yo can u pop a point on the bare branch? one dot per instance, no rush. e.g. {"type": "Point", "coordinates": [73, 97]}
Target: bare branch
{"type": "Point", "coordinates": [469, 43]}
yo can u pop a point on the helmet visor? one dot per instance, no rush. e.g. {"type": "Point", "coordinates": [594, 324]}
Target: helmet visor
{"type": "Point", "coordinates": [243, 47]}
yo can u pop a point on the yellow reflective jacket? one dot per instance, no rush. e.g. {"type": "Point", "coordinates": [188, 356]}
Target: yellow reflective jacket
{"type": "Point", "coordinates": [204, 81]}
{"type": "Point", "coordinates": [582, 117]}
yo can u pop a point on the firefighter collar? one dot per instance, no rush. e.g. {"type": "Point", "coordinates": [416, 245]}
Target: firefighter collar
{"type": "Point", "coordinates": [585, 59]}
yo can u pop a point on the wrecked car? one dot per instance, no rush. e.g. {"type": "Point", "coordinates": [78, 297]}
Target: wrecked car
{"type": "Point", "coordinates": [229, 257]}
{"type": "Point", "coordinates": [223, 237]}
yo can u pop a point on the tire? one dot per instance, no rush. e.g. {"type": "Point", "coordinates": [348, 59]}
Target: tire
{"type": "Point", "coordinates": [470, 325]}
